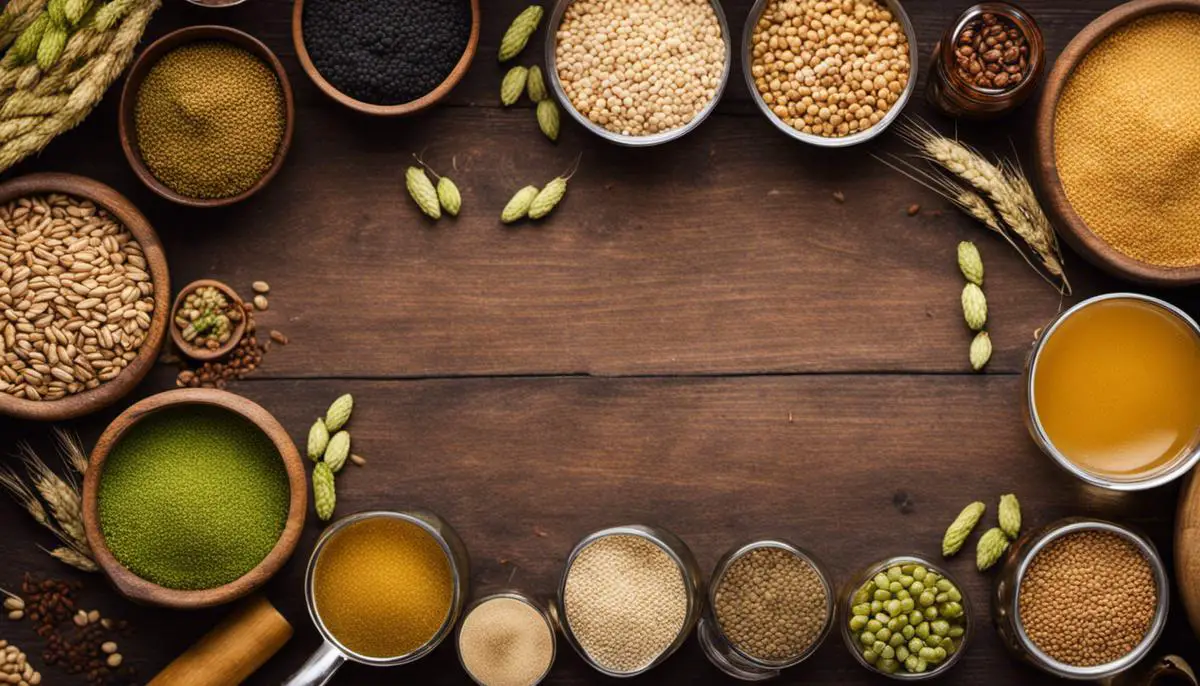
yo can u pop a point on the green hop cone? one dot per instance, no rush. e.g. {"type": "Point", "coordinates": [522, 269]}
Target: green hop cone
{"type": "Point", "coordinates": [548, 198]}
{"type": "Point", "coordinates": [1010, 515]}
{"type": "Point", "coordinates": [57, 9]}
{"type": "Point", "coordinates": [76, 10]}
{"type": "Point", "coordinates": [420, 188]}
{"type": "Point", "coordinates": [549, 120]}
{"type": "Point", "coordinates": [518, 207]}
{"type": "Point", "coordinates": [536, 84]}
{"type": "Point", "coordinates": [981, 351]}
{"type": "Point", "coordinates": [25, 49]}
{"type": "Point", "coordinates": [51, 48]}
{"type": "Point", "coordinates": [970, 262]}
{"type": "Point", "coordinates": [519, 32]}
{"type": "Point", "coordinates": [324, 491]}
{"type": "Point", "coordinates": [449, 196]}
{"type": "Point", "coordinates": [338, 451]}
{"type": "Point", "coordinates": [962, 526]}
{"type": "Point", "coordinates": [339, 412]}
{"type": "Point", "coordinates": [974, 304]}
{"type": "Point", "coordinates": [318, 440]}
{"type": "Point", "coordinates": [992, 546]}
{"type": "Point", "coordinates": [513, 85]}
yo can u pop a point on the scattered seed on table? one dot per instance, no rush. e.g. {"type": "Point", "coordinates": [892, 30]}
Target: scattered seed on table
{"type": "Point", "coordinates": [913, 209]}
{"type": "Point", "coordinates": [261, 287]}
{"type": "Point", "coordinates": [261, 303]}
{"type": "Point", "coordinates": [278, 337]}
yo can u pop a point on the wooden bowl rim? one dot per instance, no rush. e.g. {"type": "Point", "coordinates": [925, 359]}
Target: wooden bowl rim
{"type": "Point", "coordinates": [1071, 226]}
{"type": "Point", "coordinates": [204, 354]}
{"type": "Point", "coordinates": [137, 75]}
{"type": "Point", "coordinates": [140, 590]}
{"type": "Point", "coordinates": [425, 101]}
{"type": "Point", "coordinates": [123, 210]}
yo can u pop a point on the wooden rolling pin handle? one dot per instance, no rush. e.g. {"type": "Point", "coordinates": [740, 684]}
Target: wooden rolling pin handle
{"type": "Point", "coordinates": [233, 650]}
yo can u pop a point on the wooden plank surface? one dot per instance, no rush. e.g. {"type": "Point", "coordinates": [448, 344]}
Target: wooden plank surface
{"type": "Point", "coordinates": [525, 467]}
{"type": "Point", "coordinates": [700, 337]}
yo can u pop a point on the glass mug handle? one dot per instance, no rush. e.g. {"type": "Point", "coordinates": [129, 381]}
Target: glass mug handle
{"type": "Point", "coordinates": [319, 669]}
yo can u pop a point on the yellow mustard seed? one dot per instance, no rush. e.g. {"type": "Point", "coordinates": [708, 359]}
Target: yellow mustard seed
{"type": "Point", "coordinates": [1126, 139]}
{"type": "Point", "coordinates": [383, 587]}
{"type": "Point", "coordinates": [209, 118]}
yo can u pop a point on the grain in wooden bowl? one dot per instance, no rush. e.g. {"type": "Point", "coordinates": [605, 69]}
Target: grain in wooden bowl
{"type": "Point", "coordinates": [85, 288]}
{"type": "Point", "coordinates": [193, 498]}
{"type": "Point", "coordinates": [1116, 142]}
{"type": "Point", "coordinates": [208, 320]}
{"type": "Point", "coordinates": [386, 58]}
{"type": "Point", "coordinates": [207, 116]}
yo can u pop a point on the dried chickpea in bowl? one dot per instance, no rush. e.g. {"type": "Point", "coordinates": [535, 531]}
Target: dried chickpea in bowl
{"type": "Point", "coordinates": [831, 73]}
{"type": "Point", "coordinates": [639, 72]}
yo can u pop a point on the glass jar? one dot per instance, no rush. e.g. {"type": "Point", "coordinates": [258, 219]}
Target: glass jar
{"type": "Point", "coordinates": [846, 611]}
{"type": "Point", "coordinates": [728, 657]}
{"type": "Point", "coordinates": [958, 96]}
{"type": "Point", "coordinates": [1006, 610]}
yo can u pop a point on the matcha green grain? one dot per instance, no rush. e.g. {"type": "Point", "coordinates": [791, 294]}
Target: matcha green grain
{"type": "Point", "coordinates": [193, 497]}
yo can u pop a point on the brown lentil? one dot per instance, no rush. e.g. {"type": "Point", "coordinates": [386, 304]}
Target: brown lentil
{"type": "Point", "coordinates": [210, 119]}
{"type": "Point", "coordinates": [76, 649]}
{"type": "Point", "coordinates": [829, 68]}
{"type": "Point", "coordinates": [1088, 598]}
{"type": "Point", "coordinates": [640, 67]}
{"type": "Point", "coordinates": [76, 297]}
{"type": "Point", "coordinates": [625, 601]}
{"type": "Point", "coordinates": [1125, 152]}
{"type": "Point", "coordinates": [771, 604]}
{"type": "Point", "coordinates": [992, 52]}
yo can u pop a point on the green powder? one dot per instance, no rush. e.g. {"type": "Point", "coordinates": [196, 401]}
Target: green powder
{"type": "Point", "coordinates": [193, 497]}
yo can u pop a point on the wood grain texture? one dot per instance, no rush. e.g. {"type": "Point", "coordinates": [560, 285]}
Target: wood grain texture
{"type": "Point", "coordinates": [723, 252]}
{"type": "Point", "coordinates": [522, 468]}
{"type": "Point", "coordinates": [804, 360]}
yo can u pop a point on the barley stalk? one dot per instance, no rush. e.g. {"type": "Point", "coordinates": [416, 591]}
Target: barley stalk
{"type": "Point", "coordinates": [62, 495]}
{"type": "Point", "coordinates": [25, 497]}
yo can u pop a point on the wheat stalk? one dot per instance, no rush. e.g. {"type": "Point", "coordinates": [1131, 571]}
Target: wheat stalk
{"type": "Point", "coordinates": [74, 558]}
{"type": "Point", "coordinates": [62, 495]}
{"type": "Point", "coordinates": [71, 449]}
{"type": "Point", "coordinates": [25, 497]}
{"type": "Point", "coordinates": [1005, 185]}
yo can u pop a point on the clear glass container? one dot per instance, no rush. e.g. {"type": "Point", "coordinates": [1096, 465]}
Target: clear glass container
{"type": "Point", "coordinates": [529, 600]}
{"type": "Point", "coordinates": [723, 653]}
{"type": "Point", "coordinates": [689, 569]}
{"type": "Point", "coordinates": [845, 612]}
{"type": "Point", "coordinates": [1006, 612]}
{"type": "Point", "coordinates": [955, 95]}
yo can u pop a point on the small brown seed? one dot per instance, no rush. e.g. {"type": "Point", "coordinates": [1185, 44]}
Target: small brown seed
{"type": "Point", "coordinates": [358, 460]}
{"type": "Point", "coordinates": [261, 303]}
{"type": "Point", "coordinates": [913, 209]}
{"type": "Point", "coordinates": [16, 615]}
{"type": "Point", "coordinates": [278, 337]}
{"type": "Point", "coordinates": [80, 619]}
{"type": "Point", "coordinates": [114, 660]}
{"type": "Point", "coordinates": [261, 287]}
{"type": "Point", "coordinates": [108, 647]}
{"type": "Point", "coordinates": [14, 604]}
{"type": "Point", "coordinates": [839, 197]}
{"type": "Point", "coordinates": [93, 616]}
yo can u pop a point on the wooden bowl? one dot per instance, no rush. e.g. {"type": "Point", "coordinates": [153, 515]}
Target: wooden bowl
{"type": "Point", "coordinates": [140, 590]}
{"type": "Point", "coordinates": [120, 208]}
{"type": "Point", "coordinates": [1070, 225]}
{"type": "Point", "coordinates": [133, 85]}
{"type": "Point", "coordinates": [423, 102]}
{"type": "Point", "coordinates": [1187, 550]}
{"type": "Point", "coordinates": [204, 354]}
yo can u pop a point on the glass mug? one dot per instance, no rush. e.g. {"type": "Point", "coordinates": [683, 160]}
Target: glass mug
{"type": "Point", "coordinates": [333, 653]}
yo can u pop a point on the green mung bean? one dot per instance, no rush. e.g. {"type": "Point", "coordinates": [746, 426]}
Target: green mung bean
{"type": "Point", "coordinates": [193, 497]}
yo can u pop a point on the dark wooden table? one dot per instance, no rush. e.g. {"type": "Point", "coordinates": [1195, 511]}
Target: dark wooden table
{"type": "Point", "coordinates": [700, 337]}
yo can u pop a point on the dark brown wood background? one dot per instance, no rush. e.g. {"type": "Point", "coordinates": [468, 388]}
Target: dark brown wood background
{"type": "Point", "coordinates": [700, 337]}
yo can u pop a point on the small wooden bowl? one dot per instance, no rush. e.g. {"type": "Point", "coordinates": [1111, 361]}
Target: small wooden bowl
{"type": "Point", "coordinates": [120, 208]}
{"type": "Point", "coordinates": [423, 102]}
{"type": "Point", "coordinates": [140, 590]}
{"type": "Point", "coordinates": [1070, 225]}
{"type": "Point", "coordinates": [133, 85]}
{"type": "Point", "coordinates": [204, 354]}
